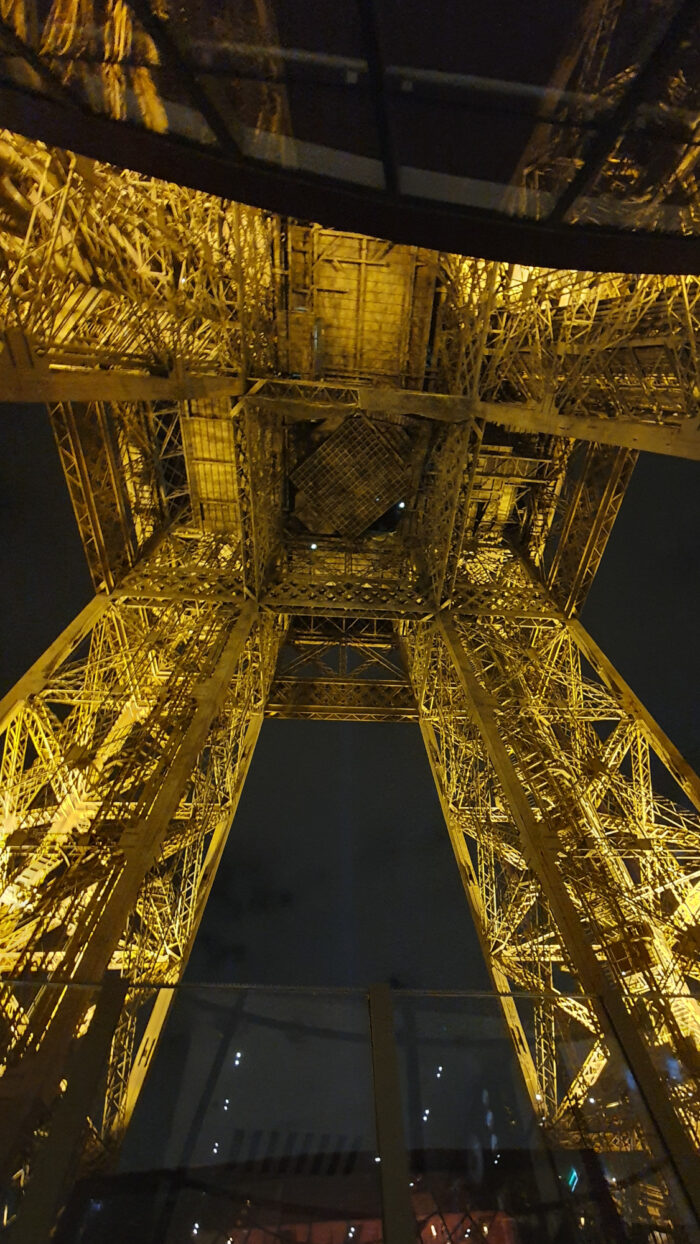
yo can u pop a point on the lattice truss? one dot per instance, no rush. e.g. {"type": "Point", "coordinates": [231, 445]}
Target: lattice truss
{"type": "Point", "coordinates": [124, 750]}
{"type": "Point", "coordinates": [179, 280]}
{"type": "Point", "coordinates": [628, 857]}
{"type": "Point", "coordinates": [614, 346]}
{"type": "Point", "coordinates": [108, 269]}
{"type": "Point", "coordinates": [121, 768]}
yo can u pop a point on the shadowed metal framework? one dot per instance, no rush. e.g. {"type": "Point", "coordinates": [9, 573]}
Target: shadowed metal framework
{"type": "Point", "coordinates": [215, 375]}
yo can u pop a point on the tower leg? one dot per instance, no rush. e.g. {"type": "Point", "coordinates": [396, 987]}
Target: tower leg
{"type": "Point", "coordinates": [543, 815]}
{"type": "Point", "coordinates": [123, 760]}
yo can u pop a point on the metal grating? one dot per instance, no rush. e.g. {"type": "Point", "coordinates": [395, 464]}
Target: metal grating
{"type": "Point", "coordinates": [353, 478]}
{"type": "Point", "coordinates": [209, 455]}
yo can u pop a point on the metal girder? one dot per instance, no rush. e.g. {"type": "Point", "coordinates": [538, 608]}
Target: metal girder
{"type": "Point", "coordinates": [608, 359]}
{"type": "Point", "coordinates": [678, 437]}
{"type": "Point", "coordinates": [337, 699]}
{"type": "Point", "coordinates": [675, 438]}
{"type": "Point", "coordinates": [84, 385]}
{"type": "Point", "coordinates": [172, 282]}
{"type": "Point", "coordinates": [46, 384]}
{"type": "Point", "coordinates": [341, 669]}
{"type": "Point", "coordinates": [587, 508]}
{"type": "Point", "coordinates": [124, 1093]}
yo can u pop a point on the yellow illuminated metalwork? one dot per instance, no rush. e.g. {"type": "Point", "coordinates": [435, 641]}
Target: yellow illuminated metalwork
{"type": "Point", "coordinates": [195, 355]}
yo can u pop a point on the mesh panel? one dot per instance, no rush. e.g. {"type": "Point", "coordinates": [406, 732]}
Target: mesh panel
{"type": "Point", "coordinates": [352, 478]}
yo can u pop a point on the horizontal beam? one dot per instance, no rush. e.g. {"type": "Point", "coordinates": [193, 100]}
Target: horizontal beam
{"type": "Point", "coordinates": [62, 384]}
{"type": "Point", "coordinates": [297, 401]}
{"type": "Point", "coordinates": [341, 699]}
{"type": "Point", "coordinates": [307, 401]}
{"type": "Point", "coordinates": [677, 440]}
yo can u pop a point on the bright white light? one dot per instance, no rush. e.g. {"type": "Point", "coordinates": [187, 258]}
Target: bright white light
{"type": "Point", "coordinates": [432, 1229]}
{"type": "Point", "coordinates": [377, 1159]}
{"type": "Point", "coordinates": [195, 1229]}
{"type": "Point", "coordinates": [402, 505]}
{"type": "Point", "coordinates": [582, 1221]}
{"type": "Point", "coordinates": [216, 1147]}
{"type": "Point", "coordinates": [592, 1100]}
{"type": "Point", "coordinates": [313, 546]}
{"type": "Point", "coordinates": [538, 1097]}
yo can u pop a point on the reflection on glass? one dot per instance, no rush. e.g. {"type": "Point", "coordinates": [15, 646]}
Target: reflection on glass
{"type": "Point", "coordinates": [256, 1123]}
{"type": "Point", "coordinates": [470, 109]}
{"type": "Point", "coordinates": [579, 1162]}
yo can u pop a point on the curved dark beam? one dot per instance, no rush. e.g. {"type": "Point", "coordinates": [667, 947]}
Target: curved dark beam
{"type": "Point", "coordinates": [341, 205]}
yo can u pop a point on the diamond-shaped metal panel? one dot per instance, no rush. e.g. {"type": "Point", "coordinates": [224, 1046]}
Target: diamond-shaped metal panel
{"type": "Point", "coordinates": [353, 478]}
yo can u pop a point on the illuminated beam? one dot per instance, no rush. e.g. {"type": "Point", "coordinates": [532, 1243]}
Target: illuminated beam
{"type": "Point", "coordinates": [38, 674]}
{"type": "Point", "coordinates": [298, 401]}
{"type": "Point", "coordinates": [40, 382]}
{"type": "Point", "coordinates": [166, 996]}
{"type": "Point", "coordinates": [51, 384]}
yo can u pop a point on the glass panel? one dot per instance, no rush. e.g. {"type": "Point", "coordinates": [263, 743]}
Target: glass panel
{"type": "Point", "coordinates": [256, 1120]}
{"type": "Point", "coordinates": [291, 83]}
{"type": "Point", "coordinates": [15, 69]}
{"type": "Point", "coordinates": [257, 1116]}
{"type": "Point", "coordinates": [486, 169]}
{"type": "Point", "coordinates": [585, 1164]}
{"type": "Point", "coordinates": [28, 1011]}
{"type": "Point", "coordinates": [647, 182]}
{"type": "Point", "coordinates": [114, 66]}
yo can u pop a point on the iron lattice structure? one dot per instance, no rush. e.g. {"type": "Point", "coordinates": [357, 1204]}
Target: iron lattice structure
{"type": "Point", "coordinates": [322, 475]}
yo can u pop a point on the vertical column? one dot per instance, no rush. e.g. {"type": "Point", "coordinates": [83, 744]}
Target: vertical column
{"type": "Point", "coordinates": [399, 1222]}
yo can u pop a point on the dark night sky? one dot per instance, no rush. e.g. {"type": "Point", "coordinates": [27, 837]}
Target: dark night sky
{"type": "Point", "coordinates": [338, 869]}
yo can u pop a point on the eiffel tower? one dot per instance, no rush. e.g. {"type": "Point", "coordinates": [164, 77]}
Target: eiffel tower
{"type": "Point", "coordinates": [321, 475]}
